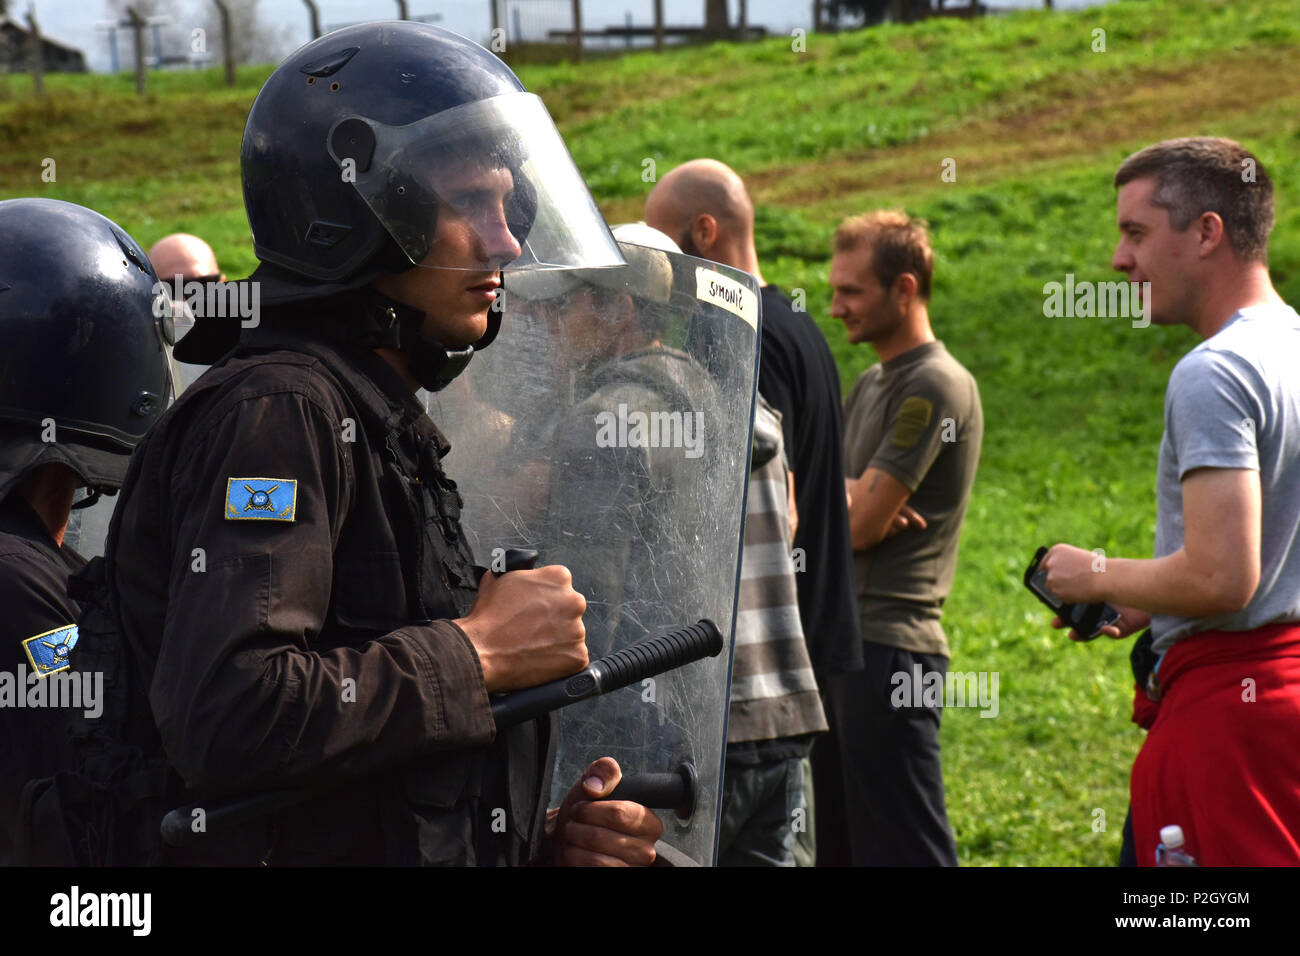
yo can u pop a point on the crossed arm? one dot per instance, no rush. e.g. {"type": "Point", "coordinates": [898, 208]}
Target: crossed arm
{"type": "Point", "coordinates": [878, 508]}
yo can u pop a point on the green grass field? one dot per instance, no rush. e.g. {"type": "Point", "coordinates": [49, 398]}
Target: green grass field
{"type": "Point", "coordinates": [1036, 122]}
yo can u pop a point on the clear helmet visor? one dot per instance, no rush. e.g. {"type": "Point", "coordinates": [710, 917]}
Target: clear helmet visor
{"type": "Point", "coordinates": [482, 187]}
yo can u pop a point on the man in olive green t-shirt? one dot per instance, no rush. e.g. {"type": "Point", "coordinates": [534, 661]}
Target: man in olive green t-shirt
{"type": "Point", "coordinates": [912, 432]}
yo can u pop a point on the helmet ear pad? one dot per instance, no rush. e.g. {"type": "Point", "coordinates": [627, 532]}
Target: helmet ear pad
{"type": "Point", "coordinates": [412, 214]}
{"type": "Point", "coordinates": [521, 208]}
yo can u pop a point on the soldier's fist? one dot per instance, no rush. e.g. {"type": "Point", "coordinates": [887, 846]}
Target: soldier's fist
{"type": "Point", "coordinates": [527, 628]}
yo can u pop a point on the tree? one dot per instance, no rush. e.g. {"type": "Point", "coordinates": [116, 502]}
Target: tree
{"type": "Point", "coordinates": [255, 41]}
{"type": "Point", "coordinates": [715, 18]}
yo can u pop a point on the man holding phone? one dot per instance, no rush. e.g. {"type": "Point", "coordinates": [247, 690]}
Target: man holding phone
{"type": "Point", "coordinates": [1222, 594]}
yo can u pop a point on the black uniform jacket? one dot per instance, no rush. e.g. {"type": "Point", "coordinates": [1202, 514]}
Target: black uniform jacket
{"type": "Point", "coordinates": [288, 563]}
{"type": "Point", "coordinates": [33, 601]}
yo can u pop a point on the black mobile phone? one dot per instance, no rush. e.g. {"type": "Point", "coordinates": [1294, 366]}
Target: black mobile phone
{"type": "Point", "coordinates": [1085, 619]}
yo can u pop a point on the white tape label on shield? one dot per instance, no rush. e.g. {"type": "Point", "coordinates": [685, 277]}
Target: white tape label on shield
{"type": "Point", "coordinates": [726, 293]}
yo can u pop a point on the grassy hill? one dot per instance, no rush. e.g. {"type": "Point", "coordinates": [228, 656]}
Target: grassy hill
{"type": "Point", "coordinates": [1036, 121]}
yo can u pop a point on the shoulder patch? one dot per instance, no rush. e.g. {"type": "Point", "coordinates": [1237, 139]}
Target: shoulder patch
{"type": "Point", "coordinates": [49, 652]}
{"type": "Point", "coordinates": [261, 499]}
{"type": "Point", "coordinates": [913, 419]}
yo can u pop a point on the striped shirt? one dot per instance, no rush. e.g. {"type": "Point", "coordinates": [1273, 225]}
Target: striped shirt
{"type": "Point", "coordinates": [773, 691]}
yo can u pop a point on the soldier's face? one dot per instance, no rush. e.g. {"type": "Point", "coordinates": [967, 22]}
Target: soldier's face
{"type": "Point", "coordinates": [459, 279]}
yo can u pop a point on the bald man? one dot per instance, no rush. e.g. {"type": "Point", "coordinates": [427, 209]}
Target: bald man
{"type": "Point", "coordinates": [181, 254]}
{"type": "Point", "coordinates": [189, 257]}
{"type": "Point", "coordinates": [705, 206]}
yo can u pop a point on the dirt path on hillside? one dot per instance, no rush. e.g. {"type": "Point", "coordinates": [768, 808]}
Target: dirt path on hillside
{"type": "Point", "coordinates": [1252, 92]}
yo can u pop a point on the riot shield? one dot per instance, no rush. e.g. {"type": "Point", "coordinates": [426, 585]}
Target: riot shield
{"type": "Point", "coordinates": [609, 428]}
{"type": "Point", "coordinates": [87, 530]}
{"type": "Point", "coordinates": [183, 373]}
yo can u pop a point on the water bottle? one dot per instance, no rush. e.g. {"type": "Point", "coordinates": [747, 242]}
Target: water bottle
{"type": "Point", "coordinates": [1170, 850]}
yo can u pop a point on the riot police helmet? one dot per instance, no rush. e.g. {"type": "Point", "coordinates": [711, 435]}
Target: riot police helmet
{"type": "Point", "coordinates": [83, 371]}
{"type": "Point", "coordinates": [360, 138]}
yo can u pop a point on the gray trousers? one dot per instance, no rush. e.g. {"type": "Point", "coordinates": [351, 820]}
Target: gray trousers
{"type": "Point", "coordinates": [763, 810]}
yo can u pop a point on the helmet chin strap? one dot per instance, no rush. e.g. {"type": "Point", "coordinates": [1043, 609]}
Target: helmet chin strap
{"type": "Point", "coordinates": [367, 318]}
{"type": "Point", "coordinates": [91, 499]}
{"type": "Point", "coordinates": [395, 325]}
{"type": "Point", "coordinates": [434, 365]}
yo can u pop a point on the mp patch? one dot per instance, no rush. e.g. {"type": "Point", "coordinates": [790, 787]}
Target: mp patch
{"type": "Point", "coordinates": [913, 420]}
{"type": "Point", "coordinates": [261, 499]}
{"type": "Point", "coordinates": [49, 652]}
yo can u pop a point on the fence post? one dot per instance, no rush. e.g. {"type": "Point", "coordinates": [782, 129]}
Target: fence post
{"type": "Point", "coordinates": [577, 31]}
{"type": "Point", "coordinates": [35, 54]}
{"type": "Point", "coordinates": [315, 18]}
{"type": "Point", "coordinates": [137, 36]}
{"type": "Point", "coordinates": [227, 41]}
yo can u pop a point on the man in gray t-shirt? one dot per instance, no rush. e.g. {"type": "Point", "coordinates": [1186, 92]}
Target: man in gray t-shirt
{"type": "Point", "coordinates": [1234, 402]}
{"type": "Point", "coordinates": [1222, 593]}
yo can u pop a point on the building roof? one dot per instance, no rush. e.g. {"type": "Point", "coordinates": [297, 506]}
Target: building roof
{"type": "Point", "coordinates": [9, 23]}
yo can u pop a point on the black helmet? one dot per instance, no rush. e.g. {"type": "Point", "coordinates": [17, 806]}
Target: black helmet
{"type": "Point", "coordinates": [359, 138]}
{"type": "Point", "coordinates": [83, 368]}
{"type": "Point", "coordinates": [350, 143]}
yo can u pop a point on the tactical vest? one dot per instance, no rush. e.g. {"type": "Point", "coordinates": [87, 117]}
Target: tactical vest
{"type": "Point", "coordinates": [443, 809]}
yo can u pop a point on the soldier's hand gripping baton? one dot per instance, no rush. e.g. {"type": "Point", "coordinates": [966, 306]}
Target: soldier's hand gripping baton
{"type": "Point", "coordinates": [649, 658]}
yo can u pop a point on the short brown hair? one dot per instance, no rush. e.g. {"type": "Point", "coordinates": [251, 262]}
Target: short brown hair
{"type": "Point", "coordinates": [1208, 174]}
{"type": "Point", "coordinates": [899, 243]}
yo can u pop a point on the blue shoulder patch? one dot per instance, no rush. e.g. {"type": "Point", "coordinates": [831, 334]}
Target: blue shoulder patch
{"type": "Point", "coordinates": [49, 652]}
{"type": "Point", "coordinates": [261, 499]}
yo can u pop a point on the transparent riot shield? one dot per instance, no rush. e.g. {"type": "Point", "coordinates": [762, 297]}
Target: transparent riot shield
{"type": "Point", "coordinates": [609, 428]}
{"type": "Point", "coordinates": [87, 530]}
